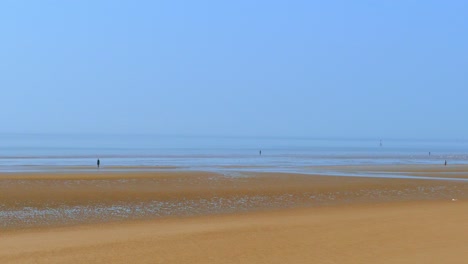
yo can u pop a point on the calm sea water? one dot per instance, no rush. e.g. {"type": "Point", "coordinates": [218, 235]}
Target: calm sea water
{"type": "Point", "coordinates": [27, 152]}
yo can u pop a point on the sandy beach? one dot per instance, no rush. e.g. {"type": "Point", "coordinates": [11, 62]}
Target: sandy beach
{"type": "Point", "coordinates": [391, 233]}
{"type": "Point", "coordinates": [202, 217]}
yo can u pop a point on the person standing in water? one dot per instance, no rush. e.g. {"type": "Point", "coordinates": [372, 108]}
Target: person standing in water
{"type": "Point", "coordinates": [260, 153]}
{"type": "Point", "coordinates": [98, 163]}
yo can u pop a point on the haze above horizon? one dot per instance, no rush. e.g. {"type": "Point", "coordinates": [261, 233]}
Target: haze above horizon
{"type": "Point", "coordinates": [338, 69]}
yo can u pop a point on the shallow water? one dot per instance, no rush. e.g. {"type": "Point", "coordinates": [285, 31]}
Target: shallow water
{"type": "Point", "coordinates": [39, 153]}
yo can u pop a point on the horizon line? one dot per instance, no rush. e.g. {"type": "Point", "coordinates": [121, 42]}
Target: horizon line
{"type": "Point", "coordinates": [295, 137]}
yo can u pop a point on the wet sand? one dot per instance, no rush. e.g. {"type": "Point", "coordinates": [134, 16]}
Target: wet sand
{"type": "Point", "coordinates": [440, 171]}
{"type": "Point", "coordinates": [202, 217]}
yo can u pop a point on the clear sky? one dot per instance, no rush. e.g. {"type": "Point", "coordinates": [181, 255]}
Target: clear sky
{"type": "Point", "coordinates": [275, 68]}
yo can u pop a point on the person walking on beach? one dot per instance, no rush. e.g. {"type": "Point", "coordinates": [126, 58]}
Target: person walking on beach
{"type": "Point", "coordinates": [98, 163]}
{"type": "Point", "coordinates": [445, 164]}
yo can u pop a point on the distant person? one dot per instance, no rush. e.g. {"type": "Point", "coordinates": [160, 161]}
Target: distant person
{"type": "Point", "coordinates": [260, 153]}
{"type": "Point", "coordinates": [445, 164]}
{"type": "Point", "coordinates": [98, 163]}
{"type": "Point", "coordinates": [429, 153]}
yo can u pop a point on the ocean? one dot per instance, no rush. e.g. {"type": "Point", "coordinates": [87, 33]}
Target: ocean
{"type": "Point", "coordinates": [63, 152]}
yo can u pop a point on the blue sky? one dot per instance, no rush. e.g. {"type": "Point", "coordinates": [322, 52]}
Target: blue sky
{"type": "Point", "coordinates": [390, 69]}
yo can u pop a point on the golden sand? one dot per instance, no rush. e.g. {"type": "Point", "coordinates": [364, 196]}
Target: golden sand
{"type": "Point", "coordinates": [265, 218]}
{"type": "Point", "coordinates": [432, 232]}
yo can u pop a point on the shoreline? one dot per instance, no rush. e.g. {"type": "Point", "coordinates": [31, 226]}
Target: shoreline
{"type": "Point", "coordinates": [409, 171]}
